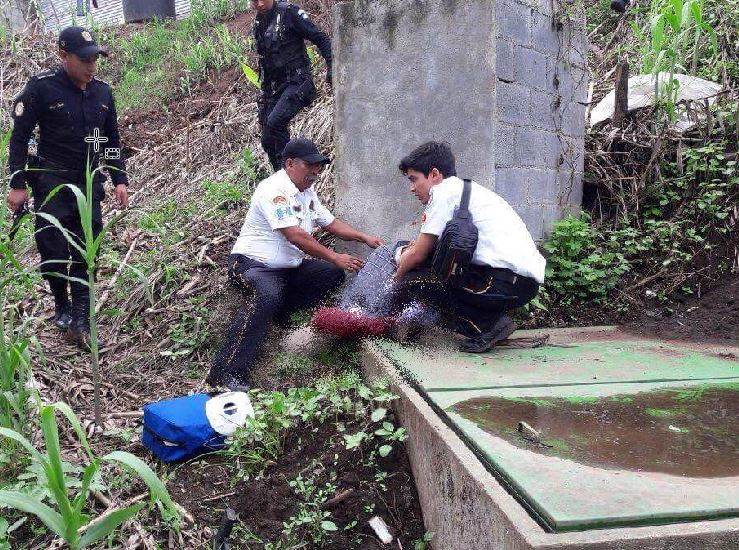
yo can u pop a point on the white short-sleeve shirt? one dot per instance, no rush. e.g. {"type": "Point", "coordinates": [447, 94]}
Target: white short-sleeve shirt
{"type": "Point", "coordinates": [277, 204]}
{"type": "Point", "coordinates": [503, 240]}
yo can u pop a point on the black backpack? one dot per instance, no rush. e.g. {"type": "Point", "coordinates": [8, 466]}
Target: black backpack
{"type": "Point", "coordinates": [457, 243]}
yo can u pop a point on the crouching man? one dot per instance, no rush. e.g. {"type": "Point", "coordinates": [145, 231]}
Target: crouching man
{"type": "Point", "coordinates": [506, 267]}
{"type": "Point", "coordinates": [268, 261]}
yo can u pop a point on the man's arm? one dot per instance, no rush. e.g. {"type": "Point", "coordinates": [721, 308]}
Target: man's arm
{"type": "Point", "coordinates": [309, 31]}
{"type": "Point", "coordinates": [347, 233]}
{"type": "Point", "coordinates": [308, 244]}
{"type": "Point", "coordinates": [118, 166]}
{"type": "Point", "coordinates": [416, 253]}
{"type": "Point", "coordinates": [25, 113]}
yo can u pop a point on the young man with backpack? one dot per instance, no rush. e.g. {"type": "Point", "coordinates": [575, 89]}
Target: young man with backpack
{"type": "Point", "coordinates": [505, 270]}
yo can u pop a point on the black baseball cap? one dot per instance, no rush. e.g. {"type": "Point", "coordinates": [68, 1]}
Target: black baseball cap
{"type": "Point", "coordinates": [305, 149]}
{"type": "Point", "coordinates": [80, 42]}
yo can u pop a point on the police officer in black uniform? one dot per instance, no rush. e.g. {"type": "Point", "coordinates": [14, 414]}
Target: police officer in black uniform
{"type": "Point", "coordinates": [77, 123]}
{"type": "Point", "coordinates": [280, 29]}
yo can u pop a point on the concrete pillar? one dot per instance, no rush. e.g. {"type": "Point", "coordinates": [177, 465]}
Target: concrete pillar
{"type": "Point", "coordinates": [497, 79]}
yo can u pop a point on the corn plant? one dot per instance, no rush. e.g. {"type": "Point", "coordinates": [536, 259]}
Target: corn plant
{"type": "Point", "coordinates": [674, 27]}
{"type": "Point", "coordinates": [88, 249]}
{"type": "Point", "coordinates": [66, 516]}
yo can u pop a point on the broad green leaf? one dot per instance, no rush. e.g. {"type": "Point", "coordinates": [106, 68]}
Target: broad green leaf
{"type": "Point", "coordinates": [101, 528]}
{"type": "Point", "coordinates": [18, 438]}
{"type": "Point", "coordinates": [378, 414]}
{"type": "Point", "coordinates": [329, 526]}
{"type": "Point", "coordinates": [75, 423]}
{"type": "Point", "coordinates": [54, 469]}
{"type": "Point", "coordinates": [385, 450]}
{"type": "Point", "coordinates": [251, 75]}
{"type": "Point", "coordinates": [157, 488]}
{"type": "Point", "coordinates": [67, 235]}
{"type": "Point", "coordinates": [30, 505]}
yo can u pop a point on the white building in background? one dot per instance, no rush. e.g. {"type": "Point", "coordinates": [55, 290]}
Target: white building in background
{"type": "Point", "coordinates": [58, 14]}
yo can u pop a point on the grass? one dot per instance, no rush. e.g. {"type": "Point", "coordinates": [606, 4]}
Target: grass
{"type": "Point", "coordinates": [167, 57]}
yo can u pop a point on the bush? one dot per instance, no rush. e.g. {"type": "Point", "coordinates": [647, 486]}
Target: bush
{"type": "Point", "coordinates": [580, 267]}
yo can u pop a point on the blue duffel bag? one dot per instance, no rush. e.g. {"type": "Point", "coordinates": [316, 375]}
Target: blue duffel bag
{"type": "Point", "coordinates": [176, 429]}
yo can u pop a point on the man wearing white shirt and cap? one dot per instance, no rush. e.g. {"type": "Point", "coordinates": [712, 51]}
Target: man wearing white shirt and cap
{"type": "Point", "coordinates": [506, 269]}
{"type": "Point", "coordinates": [268, 260]}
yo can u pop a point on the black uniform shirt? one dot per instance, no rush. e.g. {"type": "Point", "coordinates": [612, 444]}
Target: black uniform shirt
{"type": "Point", "coordinates": [66, 115]}
{"type": "Point", "coordinates": [279, 36]}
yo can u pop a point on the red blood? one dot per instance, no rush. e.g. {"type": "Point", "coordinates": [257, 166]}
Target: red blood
{"type": "Point", "coordinates": [349, 324]}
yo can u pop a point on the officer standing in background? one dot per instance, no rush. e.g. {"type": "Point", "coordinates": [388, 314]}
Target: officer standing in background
{"type": "Point", "coordinates": [77, 124]}
{"type": "Point", "coordinates": [280, 29]}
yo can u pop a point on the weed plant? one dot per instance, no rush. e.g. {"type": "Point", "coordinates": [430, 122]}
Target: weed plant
{"type": "Point", "coordinates": [337, 399]}
{"type": "Point", "coordinates": [670, 44]}
{"type": "Point", "coordinates": [65, 514]}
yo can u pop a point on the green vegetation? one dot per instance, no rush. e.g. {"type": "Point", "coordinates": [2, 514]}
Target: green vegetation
{"type": "Point", "coordinates": [341, 401]}
{"type": "Point", "coordinates": [674, 36]}
{"type": "Point", "coordinates": [678, 225]}
{"type": "Point", "coordinates": [66, 517]}
{"type": "Point", "coordinates": [165, 56]}
{"type": "Point", "coordinates": [581, 266]}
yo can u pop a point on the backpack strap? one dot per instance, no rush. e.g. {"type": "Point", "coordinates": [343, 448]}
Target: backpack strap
{"type": "Point", "coordinates": [464, 204]}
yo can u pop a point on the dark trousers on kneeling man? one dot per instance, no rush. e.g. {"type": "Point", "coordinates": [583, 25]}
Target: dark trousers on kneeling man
{"type": "Point", "coordinates": [269, 292]}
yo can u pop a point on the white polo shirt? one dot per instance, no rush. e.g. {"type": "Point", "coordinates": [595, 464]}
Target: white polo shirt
{"type": "Point", "coordinates": [277, 204]}
{"type": "Point", "coordinates": [503, 240]}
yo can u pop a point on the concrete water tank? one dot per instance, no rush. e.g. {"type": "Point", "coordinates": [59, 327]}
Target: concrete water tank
{"type": "Point", "coordinates": [143, 10]}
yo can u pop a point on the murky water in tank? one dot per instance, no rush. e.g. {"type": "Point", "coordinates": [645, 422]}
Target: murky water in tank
{"type": "Point", "coordinates": [688, 431]}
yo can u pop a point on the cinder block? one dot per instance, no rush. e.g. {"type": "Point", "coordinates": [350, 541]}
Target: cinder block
{"type": "Point", "coordinates": [513, 103]}
{"type": "Point", "coordinates": [573, 80]}
{"type": "Point", "coordinates": [531, 67]}
{"type": "Point", "coordinates": [533, 217]}
{"type": "Point", "coordinates": [573, 119]}
{"type": "Point", "coordinates": [513, 21]}
{"type": "Point", "coordinates": [505, 60]}
{"type": "Point", "coordinates": [542, 187]}
{"type": "Point", "coordinates": [543, 110]}
{"type": "Point", "coordinates": [512, 184]}
{"type": "Point", "coordinates": [539, 148]}
{"type": "Point", "coordinates": [569, 184]}
{"type": "Point", "coordinates": [544, 37]}
{"type": "Point", "coordinates": [507, 152]}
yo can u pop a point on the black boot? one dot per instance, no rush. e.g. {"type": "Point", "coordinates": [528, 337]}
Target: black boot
{"type": "Point", "coordinates": [62, 307]}
{"type": "Point", "coordinates": [79, 329]}
{"type": "Point", "coordinates": [501, 330]}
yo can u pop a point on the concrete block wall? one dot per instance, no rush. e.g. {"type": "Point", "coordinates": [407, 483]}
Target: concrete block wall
{"type": "Point", "coordinates": [479, 74]}
{"type": "Point", "coordinates": [541, 83]}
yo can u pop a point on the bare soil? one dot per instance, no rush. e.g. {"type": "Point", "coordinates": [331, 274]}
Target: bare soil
{"type": "Point", "coordinates": [712, 317]}
{"type": "Point", "coordinates": [263, 504]}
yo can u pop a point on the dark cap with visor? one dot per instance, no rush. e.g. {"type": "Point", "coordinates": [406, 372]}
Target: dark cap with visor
{"type": "Point", "coordinates": [80, 42]}
{"type": "Point", "coordinates": [305, 149]}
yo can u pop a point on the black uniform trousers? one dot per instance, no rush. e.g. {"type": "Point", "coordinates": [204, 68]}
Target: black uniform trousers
{"type": "Point", "coordinates": [473, 308]}
{"type": "Point", "coordinates": [60, 260]}
{"type": "Point", "coordinates": [279, 107]}
{"type": "Point", "coordinates": [269, 291]}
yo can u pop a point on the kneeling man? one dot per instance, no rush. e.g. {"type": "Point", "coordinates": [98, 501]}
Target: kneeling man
{"type": "Point", "coordinates": [268, 261]}
{"type": "Point", "coordinates": [506, 267]}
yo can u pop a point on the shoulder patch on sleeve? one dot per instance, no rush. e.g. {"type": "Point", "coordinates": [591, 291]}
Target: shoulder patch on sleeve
{"type": "Point", "coordinates": [19, 109]}
{"type": "Point", "coordinates": [302, 14]}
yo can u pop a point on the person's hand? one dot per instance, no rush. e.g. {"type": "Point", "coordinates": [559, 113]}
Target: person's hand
{"type": "Point", "coordinates": [16, 197]}
{"type": "Point", "coordinates": [372, 241]}
{"type": "Point", "coordinates": [347, 262]}
{"type": "Point", "coordinates": [121, 195]}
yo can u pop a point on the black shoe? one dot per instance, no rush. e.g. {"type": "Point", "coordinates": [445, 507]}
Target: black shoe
{"type": "Point", "coordinates": [228, 381]}
{"type": "Point", "coordinates": [501, 330]}
{"type": "Point", "coordinates": [63, 317]}
{"type": "Point", "coordinates": [78, 333]}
